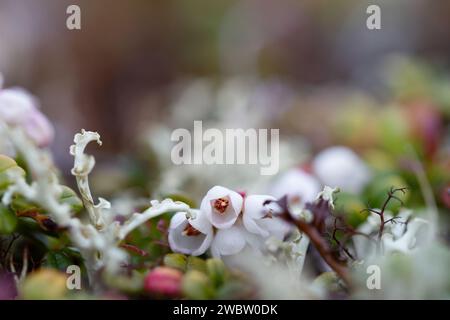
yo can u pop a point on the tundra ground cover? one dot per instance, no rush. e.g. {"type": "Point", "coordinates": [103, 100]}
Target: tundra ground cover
{"type": "Point", "coordinates": [364, 217]}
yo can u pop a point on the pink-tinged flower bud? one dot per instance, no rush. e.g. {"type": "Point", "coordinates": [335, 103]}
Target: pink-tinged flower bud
{"type": "Point", "coordinates": [16, 105]}
{"type": "Point", "coordinates": [164, 280]}
{"type": "Point", "coordinates": [222, 206]}
{"type": "Point", "coordinates": [39, 129]}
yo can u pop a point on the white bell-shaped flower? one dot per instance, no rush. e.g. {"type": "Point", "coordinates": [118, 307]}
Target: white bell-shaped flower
{"type": "Point", "coordinates": [190, 235]}
{"type": "Point", "coordinates": [341, 167]}
{"type": "Point", "coordinates": [262, 219]}
{"type": "Point", "coordinates": [222, 206]}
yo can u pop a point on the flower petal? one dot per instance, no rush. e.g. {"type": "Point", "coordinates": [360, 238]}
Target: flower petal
{"type": "Point", "coordinates": [16, 105]}
{"type": "Point", "coordinates": [228, 241]}
{"type": "Point", "coordinates": [177, 219]}
{"type": "Point", "coordinates": [205, 244]}
{"type": "Point", "coordinates": [39, 128]}
{"type": "Point", "coordinates": [226, 218]}
{"type": "Point", "coordinates": [194, 244]}
{"type": "Point", "coordinates": [254, 212]}
{"type": "Point", "coordinates": [276, 227]}
{"type": "Point", "coordinates": [200, 222]}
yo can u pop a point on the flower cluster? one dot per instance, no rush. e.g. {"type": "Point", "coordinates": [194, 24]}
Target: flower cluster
{"type": "Point", "coordinates": [227, 222]}
{"type": "Point", "coordinates": [19, 108]}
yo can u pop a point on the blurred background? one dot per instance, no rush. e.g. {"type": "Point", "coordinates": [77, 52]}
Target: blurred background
{"type": "Point", "coordinates": [138, 69]}
{"type": "Point", "coordinates": [297, 65]}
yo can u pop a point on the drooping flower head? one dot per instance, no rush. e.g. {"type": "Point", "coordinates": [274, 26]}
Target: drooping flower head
{"type": "Point", "coordinates": [190, 234]}
{"type": "Point", "coordinates": [19, 108]}
{"type": "Point", "coordinates": [15, 105]}
{"type": "Point", "coordinates": [222, 206]}
{"type": "Point", "coordinates": [261, 219]}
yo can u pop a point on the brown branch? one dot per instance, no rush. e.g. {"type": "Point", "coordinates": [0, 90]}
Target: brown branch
{"type": "Point", "coordinates": [334, 236]}
{"type": "Point", "coordinates": [8, 248]}
{"type": "Point", "coordinates": [380, 213]}
{"type": "Point", "coordinates": [313, 233]}
{"type": "Point", "coordinates": [43, 220]}
{"type": "Point", "coordinates": [134, 249]}
{"type": "Point", "coordinates": [321, 245]}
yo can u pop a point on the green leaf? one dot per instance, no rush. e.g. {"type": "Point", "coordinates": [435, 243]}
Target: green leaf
{"type": "Point", "coordinates": [351, 206]}
{"type": "Point", "coordinates": [7, 165]}
{"type": "Point", "coordinates": [216, 271]}
{"type": "Point", "coordinates": [68, 196]}
{"type": "Point", "coordinates": [195, 263]}
{"type": "Point", "coordinates": [233, 290]}
{"type": "Point", "coordinates": [132, 284]}
{"type": "Point", "coordinates": [196, 285]}
{"type": "Point", "coordinates": [176, 261]}
{"type": "Point", "coordinates": [61, 259]}
{"type": "Point", "coordinates": [57, 260]}
{"type": "Point", "coordinates": [394, 131]}
{"type": "Point", "coordinates": [327, 281]}
{"type": "Point", "coordinates": [20, 204]}
{"type": "Point", "coordinates": [377, 191]}
{"type": "Point", "coordinates": [8, 220]}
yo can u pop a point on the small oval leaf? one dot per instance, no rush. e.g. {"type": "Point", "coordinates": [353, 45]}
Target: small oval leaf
{"type": "Point", "coordinates": [8, 220]}
{"type": "Point", "coordinates": [7, 165]}
{"type": "Point", "coordinates": [69, 197]}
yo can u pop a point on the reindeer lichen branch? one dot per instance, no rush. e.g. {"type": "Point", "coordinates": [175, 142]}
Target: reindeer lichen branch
{"type": "Point", "coordinates": [97, 240]}
{"type": "Point", "coordinates": [82, 167]}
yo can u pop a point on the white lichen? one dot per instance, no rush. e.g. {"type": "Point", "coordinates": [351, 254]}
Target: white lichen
{"type": "Point", "coordinates": [98, 240]}
{"type": "Point", "coordinates": [327, 194]}
{"type": "Point", "coordinates": [82, 167]}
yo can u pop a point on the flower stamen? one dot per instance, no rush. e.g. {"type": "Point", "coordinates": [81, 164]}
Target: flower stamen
{"type": "Point", "coordinates": [268, 215]}
{"type": "Point", "coordinates": [190, 231]}
{"type": "Point", "coordinates": [221, 204]}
